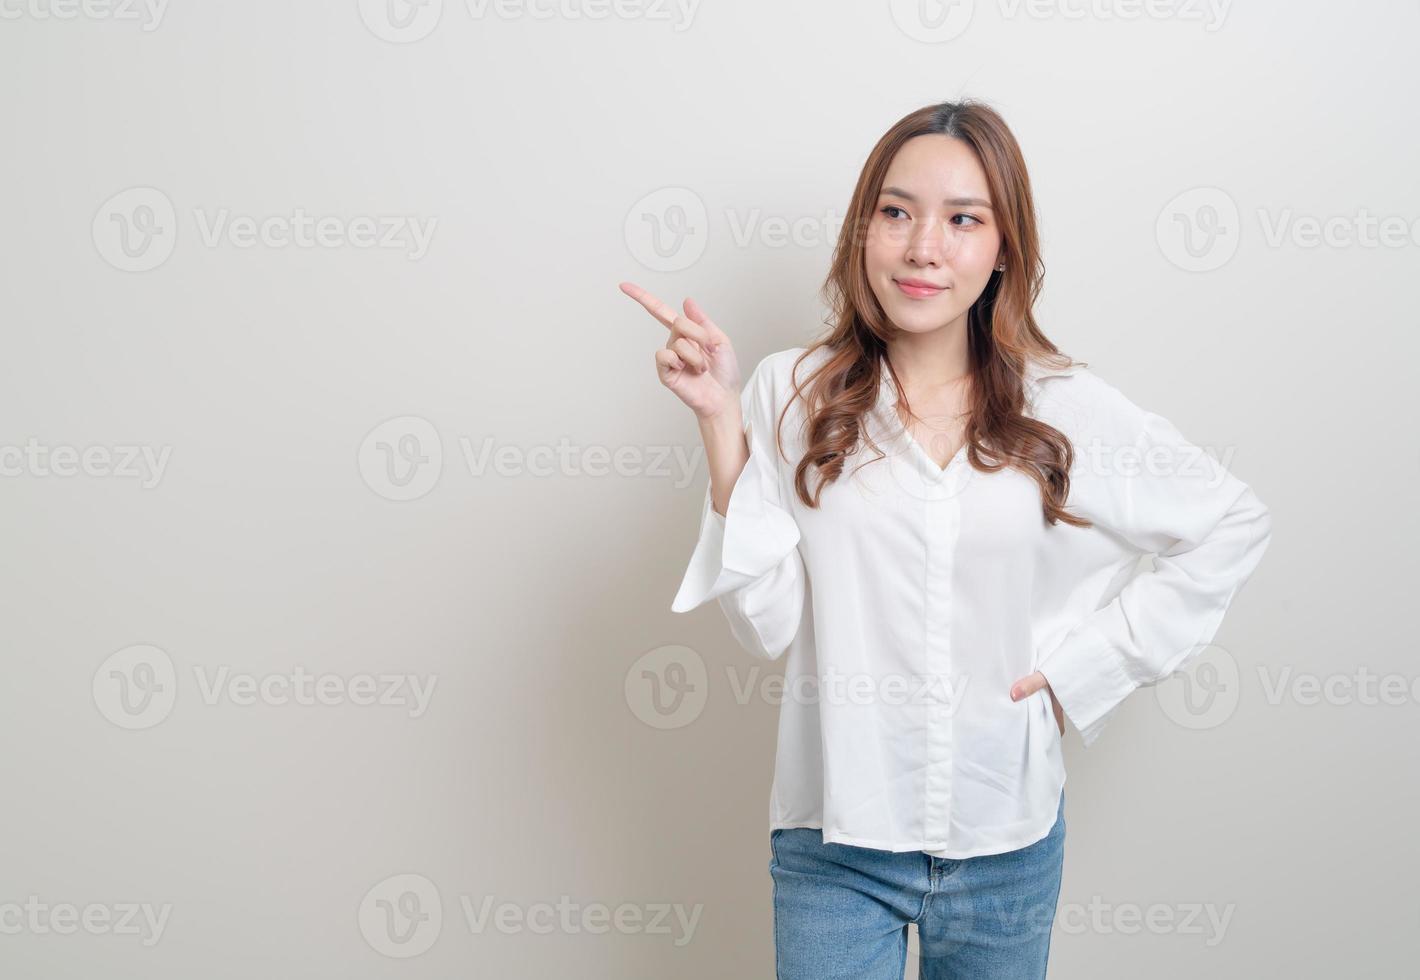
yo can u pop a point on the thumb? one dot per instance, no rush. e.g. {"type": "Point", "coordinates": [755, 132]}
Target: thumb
{"type": "Point", "coordinates": [1027, 686]}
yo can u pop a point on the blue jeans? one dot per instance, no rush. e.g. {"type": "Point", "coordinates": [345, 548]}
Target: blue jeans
{"type": "Point", "coordinates": [842, 911]}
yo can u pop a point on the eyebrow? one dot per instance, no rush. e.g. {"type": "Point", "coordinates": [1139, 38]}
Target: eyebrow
{"type": "Point", "coordinates": [957, 201]}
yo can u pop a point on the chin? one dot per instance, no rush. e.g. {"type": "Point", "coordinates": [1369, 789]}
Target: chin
{"type": "Point", "coordinates": [920, 318]}
{"type": "Point", "coordinates": [918, 324]}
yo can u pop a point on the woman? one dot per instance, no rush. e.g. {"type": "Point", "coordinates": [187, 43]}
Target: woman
{"type": "Point", "coordinates": [937, 516]}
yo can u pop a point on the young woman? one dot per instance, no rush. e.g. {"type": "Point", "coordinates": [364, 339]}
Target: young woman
{"type": "Point", "coordinates": [938, 516]}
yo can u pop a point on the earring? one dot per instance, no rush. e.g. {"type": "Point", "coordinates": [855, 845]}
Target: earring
{"type": "Point", "coordinates": [1001, 267]}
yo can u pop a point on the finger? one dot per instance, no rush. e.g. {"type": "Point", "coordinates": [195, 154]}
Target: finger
{"type": "Point", "coordinates": [691, 353]}
{"type": "Point", "coordinates": [668, 362]}
{"type": "Point", "coordinates": [686, 327]}
{"type": "Point", "coordinates": [666, 314]}
{"type": "Point", "coordinates": [694, 311]}
{"type": "Point", "coordinates": [1027, 686]}
{"type": "Point", "coordinates": [680, 326]}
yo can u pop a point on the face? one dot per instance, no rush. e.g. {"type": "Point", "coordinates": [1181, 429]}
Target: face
{"type": "Point", "coordinates": [933, 224]}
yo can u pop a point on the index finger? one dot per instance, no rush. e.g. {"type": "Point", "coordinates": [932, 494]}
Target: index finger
{"type": "Point", "coordinates": [667, 315]}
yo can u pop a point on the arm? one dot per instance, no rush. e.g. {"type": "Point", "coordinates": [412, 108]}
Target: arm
{"type": "Point", "coordinates": [747, 558]}
{"type": "Point", "coordinates": [1207, 531]}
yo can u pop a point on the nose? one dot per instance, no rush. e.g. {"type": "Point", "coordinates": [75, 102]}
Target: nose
{"type": "Point", "coordinates": [932, 244]}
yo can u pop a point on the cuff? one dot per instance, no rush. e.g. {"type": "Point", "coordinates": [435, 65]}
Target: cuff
{"type": "Point", "coordinates": [753, 536]}
{"type": "Point", "coordinates": [1088, 679]}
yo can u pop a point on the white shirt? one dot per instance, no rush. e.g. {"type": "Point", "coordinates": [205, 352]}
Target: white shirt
{"type": "Point", "coordinates": [914, 596]}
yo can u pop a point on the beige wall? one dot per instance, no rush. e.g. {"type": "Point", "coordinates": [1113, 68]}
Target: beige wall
{"type": "Point", "coordinates": [162, 613]}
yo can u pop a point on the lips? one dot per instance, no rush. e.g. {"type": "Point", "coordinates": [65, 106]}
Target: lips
{"type": "Point", "coordinates": [918, 288]}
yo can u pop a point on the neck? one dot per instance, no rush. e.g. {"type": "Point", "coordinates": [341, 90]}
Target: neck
{"type": "Point", "coordinates": [924, 361]}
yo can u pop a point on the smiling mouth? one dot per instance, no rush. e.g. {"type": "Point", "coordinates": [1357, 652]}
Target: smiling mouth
{"type": "Point", "coordinates": [918, 292]}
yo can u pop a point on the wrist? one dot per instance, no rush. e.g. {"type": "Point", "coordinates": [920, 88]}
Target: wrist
{"type": "Point", "coordinates": [729, 422]}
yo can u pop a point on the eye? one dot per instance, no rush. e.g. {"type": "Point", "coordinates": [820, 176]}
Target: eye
{"type": "Point", "coordinates": [969, 216]}
{"type": "Point", "coordinates": [891, 207]}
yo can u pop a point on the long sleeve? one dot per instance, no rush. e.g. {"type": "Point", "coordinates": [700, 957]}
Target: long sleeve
{"type": "Point", "coordinates": [749, 559]}
{"type": "Point", "coordinates": [1207, 531]}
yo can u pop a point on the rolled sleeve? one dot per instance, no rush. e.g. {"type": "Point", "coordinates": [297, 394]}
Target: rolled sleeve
{"type": "Point", "coordinates": [1207, 532]}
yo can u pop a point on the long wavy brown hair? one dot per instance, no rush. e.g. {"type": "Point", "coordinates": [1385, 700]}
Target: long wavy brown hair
{"type": "Point", "coordinates": [1002, 332]}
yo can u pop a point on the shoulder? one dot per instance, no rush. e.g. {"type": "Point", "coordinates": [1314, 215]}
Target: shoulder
{"type": "Point", "coordinates": [772, 379]}
{"type": "Point", "coordinates": [1080, 403]}
{"type": "Point", "coordinates": [779, 364]}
